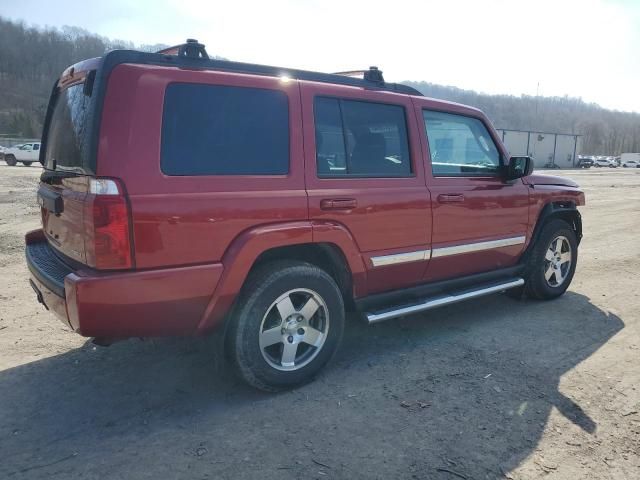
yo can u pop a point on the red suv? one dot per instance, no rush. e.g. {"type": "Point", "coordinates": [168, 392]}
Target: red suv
{"type": "Point", "coordinates": [182, 194]}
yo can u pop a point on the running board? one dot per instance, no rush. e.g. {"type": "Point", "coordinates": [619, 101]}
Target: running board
{"type": "Point", "coordinates": [443, 299]}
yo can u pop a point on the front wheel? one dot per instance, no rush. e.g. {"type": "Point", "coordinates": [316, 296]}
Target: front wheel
{"type": "Point", "coordinates": [552, 262]}
{"type": "Point", "coordinates": [286, 326]}
{"type": "Point", "coordinates": [10, 160]}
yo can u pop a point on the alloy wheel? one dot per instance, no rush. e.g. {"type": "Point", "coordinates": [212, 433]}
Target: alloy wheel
{"type": "Point", "coordinates": [294, 329]}
{"type": "Point", "coordinates": [558, 260]}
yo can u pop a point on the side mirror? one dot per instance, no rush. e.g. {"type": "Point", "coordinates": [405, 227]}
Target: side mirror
{"type": "Point", "coordinates": [519, 167]}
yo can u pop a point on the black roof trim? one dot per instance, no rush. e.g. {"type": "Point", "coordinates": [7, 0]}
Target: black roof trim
{"type": "Point", "coordinates": [117, 57]}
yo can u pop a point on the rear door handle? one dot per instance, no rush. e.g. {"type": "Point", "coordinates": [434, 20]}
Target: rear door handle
{"type": "Point", "coordinates": [451, 198]}
{"type": "Point", "coordinates": [338, 204]}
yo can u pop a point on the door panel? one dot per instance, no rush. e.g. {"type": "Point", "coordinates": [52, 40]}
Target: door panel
{"type": "Point", "coordinates": [479, 220]}
{"type": "Point", "coordinates": [492, 214]}
{"type": "Point", "coordinates": [385, 215]}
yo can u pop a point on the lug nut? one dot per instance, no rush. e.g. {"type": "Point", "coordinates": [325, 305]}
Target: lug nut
{"type": "Point", "coordinates": [290, 339]}
{"type": "Point", "coordinates": [301, 331]}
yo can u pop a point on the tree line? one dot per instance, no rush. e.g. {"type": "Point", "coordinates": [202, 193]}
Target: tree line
{"type": "Point", "coordinates": [32, 58]}
{"type": "Point", "coordinates": [604, 132]}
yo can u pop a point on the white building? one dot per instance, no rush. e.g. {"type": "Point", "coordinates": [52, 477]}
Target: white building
{"type": "Point", "coordinates": [560, 149]}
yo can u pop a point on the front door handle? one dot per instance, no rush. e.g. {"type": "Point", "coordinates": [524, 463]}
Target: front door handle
{"type": "Point", "coordinates": [451, 198]}
{"type": "Point", "coordinates": [338, 204]}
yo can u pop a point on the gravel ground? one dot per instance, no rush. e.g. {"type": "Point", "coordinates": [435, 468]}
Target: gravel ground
{"type": "Point", "coordinates": [491, 388]}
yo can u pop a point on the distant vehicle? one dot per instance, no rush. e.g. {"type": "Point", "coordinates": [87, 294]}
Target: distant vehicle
{"type": "Point", "coordinates": [605, 162]}
{"type": "Point", "coordinates": [26, 153]}
{"type": "Point", "coordinates": [584, 162]}
{"type": "Point", "coordinates": [626, 157]}
{"type": "Point", "coordinates": [631, 163]}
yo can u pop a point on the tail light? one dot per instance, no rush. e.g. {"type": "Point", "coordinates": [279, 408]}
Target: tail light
{"type": "Point", "coordinates": [107, 222]}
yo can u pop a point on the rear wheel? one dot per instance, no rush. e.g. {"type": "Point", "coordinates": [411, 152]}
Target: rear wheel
{"type": "Point", "coordinates": [10, 160]}
{"type": "Point", "coordinates": [552, 262]}
{"type": "Point", "coordinates": [286, 326]}
{"type": "Point", "coordinates": [27, 164]}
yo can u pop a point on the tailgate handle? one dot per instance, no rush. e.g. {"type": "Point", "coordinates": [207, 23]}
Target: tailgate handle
{"type": "Point", "coordinates": [338, 204]}
{"type": "Point", "coordinates": [52, 201]}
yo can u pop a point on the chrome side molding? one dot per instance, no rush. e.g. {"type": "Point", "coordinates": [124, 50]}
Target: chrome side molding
{"type": "Point", "coordinates": [446, 299]}
{"type": "Point", "coordinates": [477, 246]}
{"type": "Point", "coordinates": [421, 255]}
{"type": "Point", "coordinates": [404, 257]}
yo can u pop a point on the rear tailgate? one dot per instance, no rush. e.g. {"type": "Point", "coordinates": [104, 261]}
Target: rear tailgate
{"type": "Point", "coordinates": [68, 160]}
{"type": "Point", "coordinates": [62, 203]}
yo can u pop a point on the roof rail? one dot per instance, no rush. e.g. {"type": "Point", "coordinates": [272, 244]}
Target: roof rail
{"type": "Point", "coordinates": [185, 54]}
{"type": "Point", "coordinates": [190, 49]}
{"type": "Point", "coordinates": [372, 75]}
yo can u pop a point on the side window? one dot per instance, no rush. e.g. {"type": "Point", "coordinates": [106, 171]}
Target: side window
{"type": "Point", "coordinates": [36, 146]}
{"type": "Point", "coordinates": [331, 154]}
{"type": "Point", "coordinates": [460, 146]}
{"type": "Point", "coordinates": [360, 139]}
{"type": "Point", "coordinates": [222, 130]}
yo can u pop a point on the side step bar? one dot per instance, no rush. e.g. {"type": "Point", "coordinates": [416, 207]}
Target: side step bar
{"type": "Point", "coordinates": [443, 299]}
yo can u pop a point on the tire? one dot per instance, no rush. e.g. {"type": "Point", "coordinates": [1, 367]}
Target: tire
{"type": "Point", "coordinates": [27, 164]}
{"type": "Point", "coordinates": [263, 307]}
{"type": "Point", "coordinates": [10, 160]}
{"type": "Point", "coordinates": [539, 282]}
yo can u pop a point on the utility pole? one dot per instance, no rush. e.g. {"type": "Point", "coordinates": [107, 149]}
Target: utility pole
{"type": "Point", "coordinates": [537, 127]}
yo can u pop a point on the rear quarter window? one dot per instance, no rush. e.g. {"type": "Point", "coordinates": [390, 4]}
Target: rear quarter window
{"type": "Point", "coordinates": [224, 130]}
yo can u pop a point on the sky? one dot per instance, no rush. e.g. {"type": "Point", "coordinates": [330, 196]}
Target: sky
{"type": "Point", "coordinates": [581, 48]}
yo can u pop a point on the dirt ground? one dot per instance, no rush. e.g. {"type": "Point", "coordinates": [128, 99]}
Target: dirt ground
{"type": "Point", "coordinates": [491, 388]}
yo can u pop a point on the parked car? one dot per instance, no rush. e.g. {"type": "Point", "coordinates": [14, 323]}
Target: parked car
{"type": "Point", "coordinates": [631, 163]}
{"type": "Point", "coordinates": [604, 162]}
{"type": "Point", "coordinates": [625, 158]}
{"type": "Point", "coordinates": [584, 162]}
{"type": "Point", "coordinates": [26, 153]}
{"type": "Point", "coordinates": [265, 202]}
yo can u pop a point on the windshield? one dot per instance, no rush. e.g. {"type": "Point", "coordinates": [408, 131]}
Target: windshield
{"type": "Point", "coordinates": [68, 136]}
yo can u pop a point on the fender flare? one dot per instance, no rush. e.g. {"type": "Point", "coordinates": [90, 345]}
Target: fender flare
{"type": "Point", "coordinates": [338, 235]}
{"type": "Point", "coordinates": [551, 210]}
{"type": "Point", "coordinates": [245, 249]}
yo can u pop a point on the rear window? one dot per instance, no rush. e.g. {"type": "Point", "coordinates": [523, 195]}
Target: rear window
{"type": "Point", "coordinates": [67, 137]}
{"type": "Point", "coordinates": [222, 130]}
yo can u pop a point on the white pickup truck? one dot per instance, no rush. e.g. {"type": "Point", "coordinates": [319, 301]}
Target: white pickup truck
{"type": "Point", "coordinates": [26, 153]}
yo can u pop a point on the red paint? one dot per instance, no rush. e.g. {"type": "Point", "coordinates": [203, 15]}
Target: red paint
{"type": "Point", "coordinates": [195, 239]}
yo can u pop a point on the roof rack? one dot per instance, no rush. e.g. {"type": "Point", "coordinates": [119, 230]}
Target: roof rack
{"type": "Point", "coordinates": [191, 49]}
{"type": "Point", "coordinates": [193, 54]}
{"type": "Point", "coordinates": [372, 75]}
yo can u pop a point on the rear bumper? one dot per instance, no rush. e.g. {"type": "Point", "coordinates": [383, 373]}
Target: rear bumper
{"type": "Point", "coordinates": [120, 304]}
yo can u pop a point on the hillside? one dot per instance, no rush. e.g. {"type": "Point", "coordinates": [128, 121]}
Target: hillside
{"type": "Point", "coordinates": [31, 58]}
{"type": "Point", "coordinates": [605, 132]}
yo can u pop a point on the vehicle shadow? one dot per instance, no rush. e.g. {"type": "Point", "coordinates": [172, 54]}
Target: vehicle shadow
{"type": "Point", "coordinates": [466, 388]}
